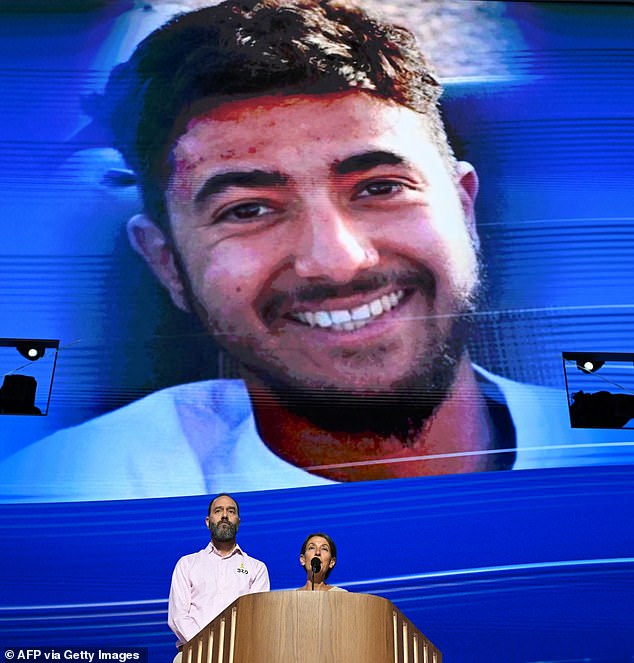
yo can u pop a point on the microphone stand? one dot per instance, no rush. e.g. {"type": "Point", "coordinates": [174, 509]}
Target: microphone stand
{"type": "Point", "coordinates": [315, 567]}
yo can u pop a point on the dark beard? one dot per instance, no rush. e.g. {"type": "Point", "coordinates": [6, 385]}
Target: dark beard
{"type": "Point", "coordinates": [401, 412]}
{"type": "Point", "coordinates": [223, 531]}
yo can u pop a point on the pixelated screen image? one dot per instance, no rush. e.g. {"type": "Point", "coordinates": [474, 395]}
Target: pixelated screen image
{"type": "Point", "coordinates": [395, 317]}
{"type": "Point", "coordinates": [295, 283]}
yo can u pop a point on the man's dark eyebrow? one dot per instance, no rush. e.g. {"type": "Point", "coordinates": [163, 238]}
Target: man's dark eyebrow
{"type": "Point", "coordinates": [367, 161]}
{"type": "Point", "coordinates": [243, 178]}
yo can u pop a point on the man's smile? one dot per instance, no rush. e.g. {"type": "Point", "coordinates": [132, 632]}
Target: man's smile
{"type": "Point", "coordinates": [348, 307]}
{"type": "Point", "coordinates": [350, 319]}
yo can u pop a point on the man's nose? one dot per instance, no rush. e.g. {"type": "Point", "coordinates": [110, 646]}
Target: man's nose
{"type": "Point", "coordinates": [332, 247]}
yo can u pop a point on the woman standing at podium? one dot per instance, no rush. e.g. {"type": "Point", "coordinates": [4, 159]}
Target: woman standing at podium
{"type": "Point", "coordinates": [318, 558]}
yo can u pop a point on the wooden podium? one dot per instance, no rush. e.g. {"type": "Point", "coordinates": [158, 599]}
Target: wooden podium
{"type": "Point", "coordinates": [310, 627]}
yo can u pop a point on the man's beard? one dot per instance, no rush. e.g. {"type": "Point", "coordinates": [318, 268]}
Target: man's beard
{"type": "Point", "coordinates": [223, 531]}
{"type": "Point", "coordinates": [402, 411]}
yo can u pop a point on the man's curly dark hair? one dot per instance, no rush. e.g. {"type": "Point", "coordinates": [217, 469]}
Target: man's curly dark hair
{"type": "Point", "coordinates": [249, 48]}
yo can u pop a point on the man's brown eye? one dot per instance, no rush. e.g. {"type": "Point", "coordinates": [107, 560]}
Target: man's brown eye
{"type": "Point", "coordinates": [380, 188]}
{"type": "Point", "coordinates": [247, 211]}
{"type": "Point", "coordinates": [244, 212]}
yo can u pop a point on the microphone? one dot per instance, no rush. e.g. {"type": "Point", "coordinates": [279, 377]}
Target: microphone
{"type": "Point", "coordinates": [315, 565]}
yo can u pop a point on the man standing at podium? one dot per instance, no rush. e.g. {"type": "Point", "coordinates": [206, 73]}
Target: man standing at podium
{"type": "Point", "coordinates": [206, 582]}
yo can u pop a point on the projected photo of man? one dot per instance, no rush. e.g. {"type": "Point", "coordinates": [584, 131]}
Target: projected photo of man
{"type": "Point", "coordinates": [301, 198]}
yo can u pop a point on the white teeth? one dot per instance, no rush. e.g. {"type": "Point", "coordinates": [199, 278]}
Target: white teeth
{"type": "Point", "coordinates": [322, 318]}
{"type": "Point", "coordinates": [349, 320]}
{"type": "Point", "coordinates": [361, 312]}
{"type": "Point", "coordinates": [339, 317]}
{"type": "Point", "coordinates": [376, 307]}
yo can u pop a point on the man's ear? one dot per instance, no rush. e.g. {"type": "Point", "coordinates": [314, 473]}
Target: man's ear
{"type": "Point", "coordinates": [150, 242]}
{"type": "Point", "coordinates": [467, 190]}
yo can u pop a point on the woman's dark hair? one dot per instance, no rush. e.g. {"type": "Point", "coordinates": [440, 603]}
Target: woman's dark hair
{"type": "Point", "coordinates": [331, 543]}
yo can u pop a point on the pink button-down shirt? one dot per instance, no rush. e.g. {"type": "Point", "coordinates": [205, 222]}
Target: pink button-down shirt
{"type": "Point", "coordinates": [205, 583]}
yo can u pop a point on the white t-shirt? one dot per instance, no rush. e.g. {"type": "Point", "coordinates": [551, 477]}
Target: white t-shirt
{"type": "Point", "coordinates": [201, 438]}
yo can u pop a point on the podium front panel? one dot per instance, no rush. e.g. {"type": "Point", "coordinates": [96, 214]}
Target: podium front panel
{"type": "Point", "coordinates": [306, 627]}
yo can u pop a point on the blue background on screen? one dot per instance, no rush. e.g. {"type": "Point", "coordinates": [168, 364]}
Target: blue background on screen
{"type": "Point", "coordinates": [519, 566]}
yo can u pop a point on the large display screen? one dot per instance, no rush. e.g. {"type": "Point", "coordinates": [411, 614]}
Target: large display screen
{"type": "Point", "coordinates": [329, 351]}
{"type": "Point", "coordinates": [365, 356]}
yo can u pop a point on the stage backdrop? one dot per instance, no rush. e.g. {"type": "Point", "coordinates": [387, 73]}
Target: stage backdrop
{"type": "Point", "coordinates": [513, 566]}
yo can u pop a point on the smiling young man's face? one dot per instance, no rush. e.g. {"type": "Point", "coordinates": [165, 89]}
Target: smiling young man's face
{"type": "Point", "coordinates": [324, 241]}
